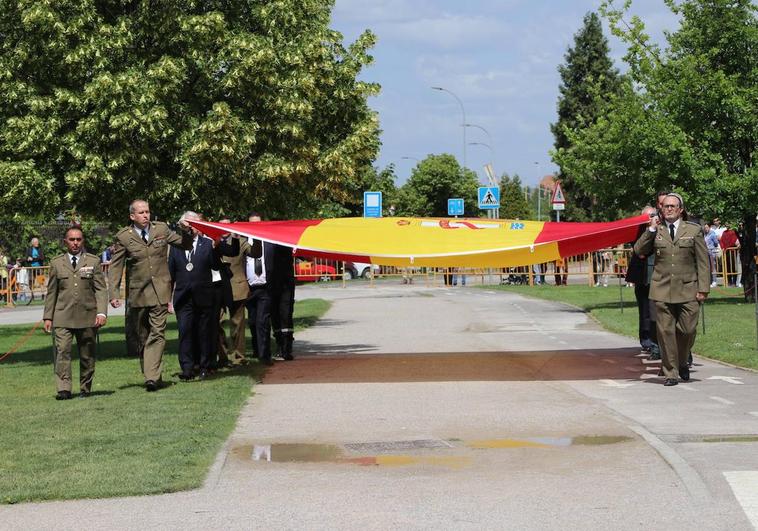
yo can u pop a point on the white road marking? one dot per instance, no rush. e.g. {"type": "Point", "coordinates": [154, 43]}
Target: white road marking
{"type": "Point", "coordinates": [656, 368]}
{"type": "Point", "coordinates": [614, 383]}
{"type": "Point", "coordinates": [754, 413]}
{"type": "Point", "coordinates": [722, 400]}
{"type": "Point", "coordinates": [730, 379]}
{"type": "Point", "coordinates": [744, 485]}
{"type": "Point", "coordinates": [686, 386]}
{"type": "Point", "coordinates": [609, 361]}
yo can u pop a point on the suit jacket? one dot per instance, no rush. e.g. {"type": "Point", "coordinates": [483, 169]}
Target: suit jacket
{"type": "Point", "coordinates": [195, 285]}
{"type": "Point", "coordinates": [232, 272]}
{"type": "Point", "coordinates": [147, 277]}
{"type": "Point", "coordinates": [682, 267]}
{"type": "Point", "coordinates": [75, 296]}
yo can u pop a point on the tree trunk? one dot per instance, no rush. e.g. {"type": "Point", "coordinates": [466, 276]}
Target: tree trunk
{"type": "Point", "coordinates": [747, 256]}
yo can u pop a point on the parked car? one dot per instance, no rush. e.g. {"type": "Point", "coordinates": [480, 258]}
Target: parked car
{"type": "Point", "coordinates": [360, 269]}
{"type": "Point", "coordinates": [309, 271]}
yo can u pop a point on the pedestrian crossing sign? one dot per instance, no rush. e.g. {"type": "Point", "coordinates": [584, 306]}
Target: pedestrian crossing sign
{"type": "Point", "coordinates": [489, 197]}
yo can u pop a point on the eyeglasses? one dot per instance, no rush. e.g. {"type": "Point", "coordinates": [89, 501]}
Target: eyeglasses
{"type": "Point", "coordinates": [670, 206]}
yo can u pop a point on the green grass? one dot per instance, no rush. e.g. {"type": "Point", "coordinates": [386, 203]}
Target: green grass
{"type": "Point", "coordinates": [121, 441]}
{"type": "Point", "coordinates": [730, 326]}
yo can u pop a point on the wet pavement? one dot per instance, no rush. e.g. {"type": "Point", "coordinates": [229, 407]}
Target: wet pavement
{"type": "Point", "coordinates": [417, 408]}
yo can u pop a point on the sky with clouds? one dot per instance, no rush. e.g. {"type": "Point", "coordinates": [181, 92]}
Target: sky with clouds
{"type": "Point", "coordinates": [499, 57]}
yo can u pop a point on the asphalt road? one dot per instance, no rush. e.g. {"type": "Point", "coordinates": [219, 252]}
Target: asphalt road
{"type": "Point", "coordinates": [416, 408]}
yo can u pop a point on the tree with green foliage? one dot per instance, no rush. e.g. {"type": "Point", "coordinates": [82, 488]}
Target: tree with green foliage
{"type": "Point", "coordinates": [513, 201]}
{"type": "Point", "coordinates": [433, 181]}
{"type": "Point", "coordinates": [220, 106]}
{"type": "Point", "coordinates": [687, 118]}
{"type": "Point", "coordinates": [588, 81]}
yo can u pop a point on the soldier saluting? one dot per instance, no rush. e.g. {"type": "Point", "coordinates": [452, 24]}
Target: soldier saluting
{"type": "Point", "coordinates": [681, 281]}
{"type": "Point", "coordinates": [75, 307]}
{"type": "Point", "coordinates": [143, 248]}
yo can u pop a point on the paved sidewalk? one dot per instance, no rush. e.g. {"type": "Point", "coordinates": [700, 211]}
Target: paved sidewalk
{"type": "Point", "coordinates": [415, 408]}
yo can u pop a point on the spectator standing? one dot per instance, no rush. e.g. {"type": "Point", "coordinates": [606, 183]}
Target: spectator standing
{"type": "Point", "coordinates": [35, 256]}
{"type": "Point", "coordinates": [730, 245]}
{"type": "Point", "coordinates": [680, 283]}
{"type": "Point", "coordinates": [75, 307]}
{"type": "Point", "coordinates": [3, 269]}
{"type": "Point", "coordinates": [714, 250]}
{"type": "Point", "coordinates": [142, 248]}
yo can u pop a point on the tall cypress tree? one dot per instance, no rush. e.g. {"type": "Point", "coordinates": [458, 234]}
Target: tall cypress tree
{"type": "Point", "coordinates": [513, 204]}
{"type": "Point", "coordinates": [588, 81]}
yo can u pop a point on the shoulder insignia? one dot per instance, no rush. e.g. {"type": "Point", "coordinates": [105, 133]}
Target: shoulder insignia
{"type": "Point", "coordinates": [93, 256]}
{"type": "Point", "coordinates": [693, 223]}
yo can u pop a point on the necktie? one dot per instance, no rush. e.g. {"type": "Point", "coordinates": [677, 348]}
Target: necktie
{"type": "Point", "coordinates": [258, 267]}
{"type": "Point", "coordinates": [73, 262]}
{"type": "Point", "coordinates": [144, 235]}
{"type": "Point", "coordinates": [671, 231]}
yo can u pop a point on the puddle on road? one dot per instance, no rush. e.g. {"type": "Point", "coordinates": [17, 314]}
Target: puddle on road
{"type": "Point", "coordinates": [548, 442]}
{"type": "Point", "coordinates": [333, 453]}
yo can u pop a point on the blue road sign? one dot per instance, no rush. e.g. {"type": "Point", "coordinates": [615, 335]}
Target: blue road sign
{"type": "Point", "coordinates": [372, 204]}
{"type": "Point", "coordinates": [455, 207]}
{"type": "Point", "coordinates": [489, 197]}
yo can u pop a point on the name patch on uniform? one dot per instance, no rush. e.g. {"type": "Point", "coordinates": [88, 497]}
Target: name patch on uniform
{"type": "Point", "coordinates": [160, 240]}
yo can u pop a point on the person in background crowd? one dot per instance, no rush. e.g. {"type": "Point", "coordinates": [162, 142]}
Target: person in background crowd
{"type": "Point", "coordinates": [3, 270]}
{"type": "Point", "coordinates": [680, 283]}
{"type": "Point", "coordinates": [744, 256]}
{"type": "Point", "coordinates": [730, 245]}
{"type": "Point", "coordinates": [561, 272]}
{"type": "Point", "coordinates": [639, 273]}
{"type": "Point", "coordinates": [712, 244]}
{"type": "Point", "coordinates": [76, 306]}
{"type": "Point", "coordinates": [717, 228]}
{"type": "Point", "coordinates": [35, 256]}
{"type": "Point", "coordinates": [142, 248]}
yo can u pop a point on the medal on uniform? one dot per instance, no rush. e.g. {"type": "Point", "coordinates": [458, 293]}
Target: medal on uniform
{"type": "Point", "coordinates": [189, 266]}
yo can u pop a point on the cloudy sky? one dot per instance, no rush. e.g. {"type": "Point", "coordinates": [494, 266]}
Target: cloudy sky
{"type": "Point", "coordinates": [500, 57]}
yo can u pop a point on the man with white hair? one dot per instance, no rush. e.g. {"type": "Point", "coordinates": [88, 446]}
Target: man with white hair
{"type": "Point", "coordinates": [680, 283]}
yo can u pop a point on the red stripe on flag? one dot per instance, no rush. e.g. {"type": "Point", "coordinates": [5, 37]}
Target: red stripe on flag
{"type": "Point", "coordinates": [576, 238]}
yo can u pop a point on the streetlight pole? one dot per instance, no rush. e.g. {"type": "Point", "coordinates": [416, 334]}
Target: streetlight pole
{"type": "Point", "coordinates": [463, 112]}
{"type": "Point", "coordinates": [496, 212]}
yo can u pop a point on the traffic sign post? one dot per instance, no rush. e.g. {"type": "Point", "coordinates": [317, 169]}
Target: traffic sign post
{"type": "Point", "coordinates": [489, 197]}
{"type": "Point", "coordinates": [558, 201]}
{"type": "Point", "coordinates": [455, 207]}
{"type": "Point", "coordinates": [372, 204]}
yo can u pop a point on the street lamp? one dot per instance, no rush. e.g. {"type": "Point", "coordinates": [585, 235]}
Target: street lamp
{"type": "Point", "coordinates": [463, 112]}
{"type": "Point", "coordinates": [410, 158]}
{"type": "Point", "coordinates": [489, 136]}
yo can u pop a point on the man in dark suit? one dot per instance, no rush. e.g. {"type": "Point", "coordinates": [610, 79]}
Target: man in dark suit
{"type": "Point", "coordinates": [260, 276]}
{"type": "Point", "coordinates": [681, 282]}
{"type": "Point", "coordinates": [283, 300]}
{"type": "Point", "coordinates": [639, 273]}
{"type": "Point", "coordinates": [193, 299]}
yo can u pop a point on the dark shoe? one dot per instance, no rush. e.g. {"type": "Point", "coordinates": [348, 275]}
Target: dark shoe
{"type": "Point", "coordinates": [186, 377]}
{"type": "Point", "coordinates": [654, 356]}
{"type": "Point", "coordinates": [84, 394]}
{"type": "Point", "coordinates": [267, 361]}
{"type": "Point", "coordinates": [288, 357]}
{"type": "Point", "coordinates": [63, 395]}
{"type": "Point", "coordinates": [670, 381]}
{"type": "Point", "coordinates": [684, 373]}
{"type": "Point", "coordinates": [222, 364]}
{"type": "Point", "coordinates": [151, 386]}
{"type": "Point", "coordinates": [203, 375]}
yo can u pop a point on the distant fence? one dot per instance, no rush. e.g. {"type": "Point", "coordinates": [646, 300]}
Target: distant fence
{"type": "Point", "coordinates": [24, 285]}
